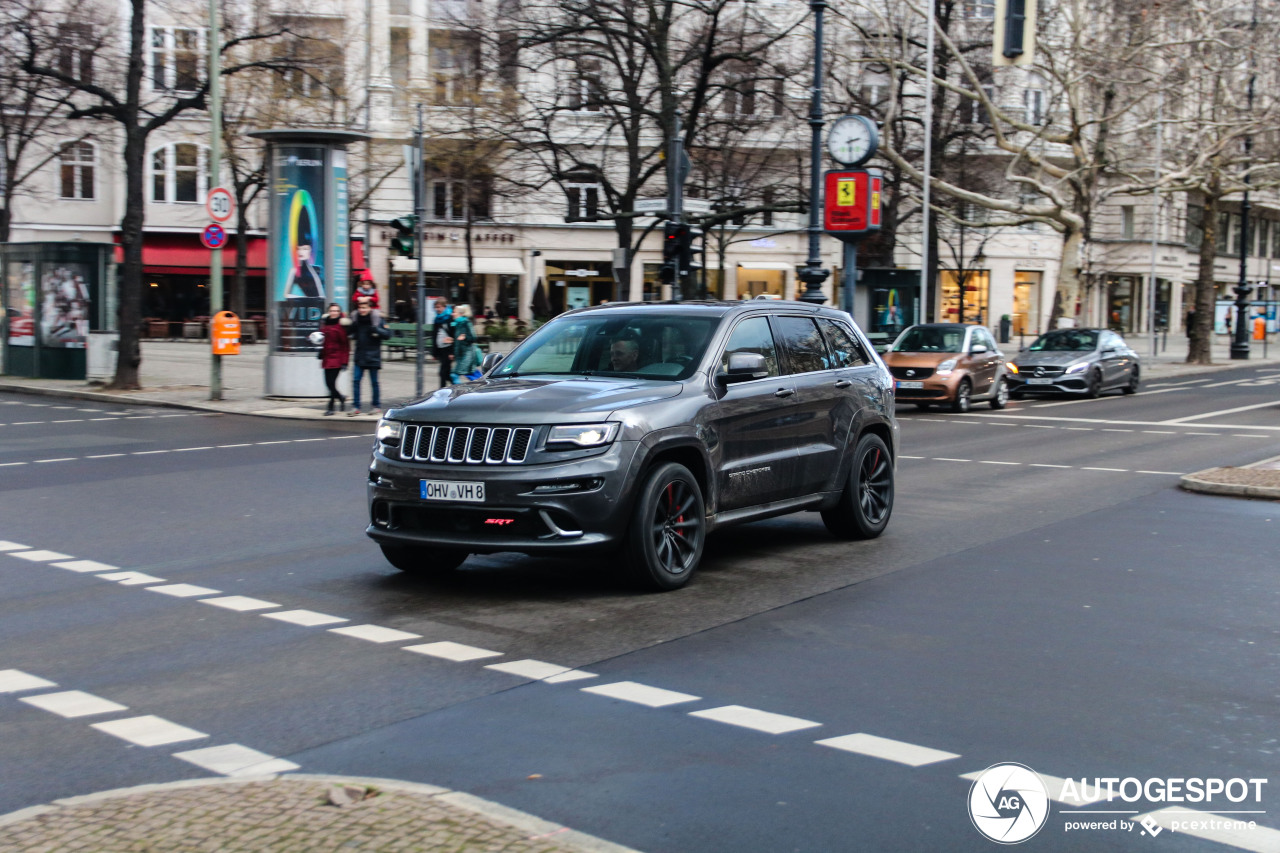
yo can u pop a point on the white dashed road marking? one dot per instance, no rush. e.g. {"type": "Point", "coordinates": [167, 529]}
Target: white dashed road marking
{"type": "Point", "coordinates": [86, 566]}
{"type": "Point", "coordinates": [16, 681]}
{"type": "Point", "coordinates": [641, 694]}
{"type": "Point", "coordinates": [375, 633]}
{"type": "Point", "coordinates": [148, 730]}
{"type": "Point", "coordinates": [751, 718]}
{"type": "Point", "coordinates": [240, 603]}
{"type": "Point", "coordinates": [890, 750]}
{"type": "Point", "coordinates": [41, 556]}
{"type": "Point", "coordinates": [74, 703]}
{"type": "Point", "coordinates": [235, 760]}
{"type": "Point", "coordinates": [452, 651]}
{"type": "Point", "coordinates": [131, 578]}
{"type": "Point", "coordinates": [305, 618]}
{"type": "Point", "coordinates": [11, 546]}
{"type": "Point", "coordinates": [571, 675]}
{"type": "Point", "coordinates": [183, 590]}
{"type": "Point", "coordinates": [535, 669]}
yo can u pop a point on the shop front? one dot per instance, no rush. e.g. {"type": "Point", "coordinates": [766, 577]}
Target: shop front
{"type": "Point", "coordinates": [1026, 303]}
{"type": "Point", "coordinates": [763, 278]}
{"type": "Point", "coordinates": [495, 284]}
{"type": "Point", "coordinates": [578, 284]}
{"type": "Point", "coordinates": [966, 297]}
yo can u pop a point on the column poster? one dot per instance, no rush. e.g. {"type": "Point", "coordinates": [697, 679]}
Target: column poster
{"type": "Point", "coordinates": [341, 230]}
{"type": "Point", "coordinates": [298, 247]}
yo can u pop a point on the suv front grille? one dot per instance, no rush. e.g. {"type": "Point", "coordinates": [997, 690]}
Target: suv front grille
{"type": "Point", "coordinates": [465, 445]}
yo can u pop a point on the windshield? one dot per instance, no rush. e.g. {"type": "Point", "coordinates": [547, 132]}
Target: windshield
{"type": "Point", "coordinates": [649, 346]}
{"type": "Point", "coordinates": [1066, 340]}
{"type": "Point", "coordinates": [931, 339]}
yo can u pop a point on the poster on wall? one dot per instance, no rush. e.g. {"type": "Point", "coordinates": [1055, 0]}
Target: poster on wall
{"type": "Point", "coordinates": [64, 305]}
{"type": "Point", "coordinates": [21, 309]}
{"type": "Point", "coordinates": [298, 267]}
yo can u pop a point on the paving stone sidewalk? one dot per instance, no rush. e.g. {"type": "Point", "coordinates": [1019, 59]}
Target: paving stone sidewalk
{"type": "Point", "coordinates": [286, 814]}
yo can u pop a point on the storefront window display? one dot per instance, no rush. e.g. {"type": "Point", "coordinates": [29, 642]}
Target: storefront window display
{"type": "Point", "coordinates": [965, 296]}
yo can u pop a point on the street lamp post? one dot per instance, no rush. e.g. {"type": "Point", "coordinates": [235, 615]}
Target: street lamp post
{"type": "Point", "coordinates": [1240, 341]}
{"type": "Point", "coordinates": [812, 274]}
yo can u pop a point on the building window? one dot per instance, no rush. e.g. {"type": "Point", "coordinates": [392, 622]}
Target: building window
{"type": "Point", "coordinates": [586, 90]}
{"type": "Point", "coordinates": [399, 44]}
{"type": "Point", "coordinates": [977, 112]}
{"type": "Point", "coordinates": [315, 57]}
{"type": "Point", "coordinates": [740, 91]}
{"type": "Point", "coordinates": [450, 199]}
{"type": "Point", "coordinates": [1034, 101]}
{"type": "Point", "coordinates": [177, 59]}
{"type": "Point", "coordinates": [179, 173]}
{"type": "Point", "coordinates": [1126, 222]}
{"type": "Point", "coordinates": [1194, 226]}
{"type": "Point", "coordinates": [1029, 199]}
{"type": "Point", "coordinates": [983, 10]}
{"type": "Point", "coordinates": [454, 60]}
{"type": "Point", "coordinates": [77, 162]}
{"type": "Point", "coordinates": [75, 51]}
{"type": "Point", "coordinates": [584, 201]}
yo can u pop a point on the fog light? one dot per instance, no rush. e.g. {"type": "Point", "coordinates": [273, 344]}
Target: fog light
{"type": "Point", "coordinates": [571, 486]}
{"type": "Point", "coordinates": [381, 514]}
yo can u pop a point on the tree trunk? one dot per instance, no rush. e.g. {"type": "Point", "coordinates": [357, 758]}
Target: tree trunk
{"type": "Point", "coordinates": [625, 229]}
{"type": "Point", "coordinates": [1200, 345]}
{"type": "Point", "coordinates": [1067, 295]}
{"type": "Point", "coordinates": [237, 305]}
{"type": "Point", "coordinates": [130, 281]}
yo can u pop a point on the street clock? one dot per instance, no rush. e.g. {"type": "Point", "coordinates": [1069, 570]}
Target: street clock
{"type": "Point", "coordinates": [852, 140]}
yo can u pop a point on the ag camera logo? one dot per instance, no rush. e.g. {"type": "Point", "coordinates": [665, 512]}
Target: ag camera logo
{"type": "Point", "coordinates": [1008, 803]}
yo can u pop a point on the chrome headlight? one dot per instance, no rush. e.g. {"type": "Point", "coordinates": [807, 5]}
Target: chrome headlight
{"type": "Point", "coordinates": [582, 435]}
{"type": "Point", "coordinates": [389, 431]}
{"type": "Point", "coordinates": [946, 367]}
{"type": "Point", "coordinates": [1077, 368]}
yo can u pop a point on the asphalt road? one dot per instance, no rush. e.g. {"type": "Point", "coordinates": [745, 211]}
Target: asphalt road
{"type": "Point", "coordinates": [1043, 595]}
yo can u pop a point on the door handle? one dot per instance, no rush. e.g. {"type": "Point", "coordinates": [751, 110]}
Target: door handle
{"type": "Point", "coordinates": [843, 383]}
{"type": "Point", "coordinates": [783, 392]}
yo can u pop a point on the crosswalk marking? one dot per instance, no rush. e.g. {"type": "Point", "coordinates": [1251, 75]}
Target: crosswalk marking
{"type": "Point", "coordinates": [890, 750]}
{"type": "Point", "coordinates": [641, 694]}
{"type": "Point", "coordinates": [752, 718]}
{"type": "Point", "coordinates": [148, 730]}
{"type": "Point", "coordinates": [232, 759]}
{"type": "Point", "coordinates": [456, 652]}
{"type": "Point", "coordinates": [73, 703]}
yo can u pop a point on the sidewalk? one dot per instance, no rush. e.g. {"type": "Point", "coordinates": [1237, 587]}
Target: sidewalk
{"type": "Point", "coordinates": [176, 373]}
{"type": "Point", "coordinates": [1259, 480]}
{"type": "Point", "coordinates": [287, 814]}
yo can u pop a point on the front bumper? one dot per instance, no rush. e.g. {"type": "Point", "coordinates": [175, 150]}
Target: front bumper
{"type": "Point", "coordinates": [511, 518]}
{"type": "Point", "coordinates": [1074, 383]}
{"type": "Point", "coordinates": [935, 389]}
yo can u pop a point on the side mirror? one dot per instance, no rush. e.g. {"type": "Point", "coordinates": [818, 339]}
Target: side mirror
{"type": "Point", "coordinates": [978, 348]}
{"type": "Point", "coordinates": [743, 367]}
{"type": "Point", "coordinates": [491, 360]}
{"type": "Point", "coordinates": [1109, 351]}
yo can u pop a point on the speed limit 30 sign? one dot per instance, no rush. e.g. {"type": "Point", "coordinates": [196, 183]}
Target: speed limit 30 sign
{"type": "Point", "coordinates": [221, 204]}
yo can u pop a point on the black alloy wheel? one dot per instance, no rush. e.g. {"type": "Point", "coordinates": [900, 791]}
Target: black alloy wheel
{"type": "Point", "coordinates": [1000, 398]}
{"type": "Point", "coordinates": [423, 561]}
{"type": "Point", "coordinates": [1132, 387]}
{"type": "Point", "coordinates": [964, 396]}
{"type": "Point", "coordinates": [867, 501]}
{"type": "Point", "coordinates": [1095, 385]}
{"type": "Point", "coordinates": [668, 528]}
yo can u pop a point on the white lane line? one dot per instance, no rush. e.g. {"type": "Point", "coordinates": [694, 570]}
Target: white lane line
{"type": "Point", "coordinates": [131, 578]}
{"type": "Point", "coordinates": [901, 456]}
{"type": "Point", "coordinates": [304, 440]}
{"type": "Point", "coordinates": [1246, 435]}
{"type": "Point", "coordinates": [1045, 465]}
{"type": "Point", "coordinates": [949, 459]}
{"type": "Point", "coordinates": [752, 718]}
{"type": "Point", "coordinates": [1032, 426]}
{"type": "Point", "coordinates": [148, 452]}
{"type": "Point", "coordinates": [898, 751]}
{"type": "Point", "coordinates": [1077, 429]}
{"type": "Point", "coordinates": [641, 694]}
{"type": "Point", "coordinates": [11, 464]}
{"type": "Point", "coordinates": [11, 546]}
{"type": "Point", "coordinates": [1055, 787]}
{"type": "Point", "coordinates": [994, 462]}
{"type": "Point", "coordinates": [71, 421]}
{"type": "Point", "coordinates": [232, 759]}
{"type": "Point", "coordinates": [1117, 470]}
{"type": "Point", "coordinates": [305, 618]}
{"type": "Point", "coordinates": [538, 670]}
{"type": "Point", "coordinates": [74, 703]}
{"type": "Point", "coordinates": [183, 590]}
{"type": "Point", "coordinates": [452, 651]}
{"type": "Point", "coordinates": [1111, 429]}
{"type": "Point", "coordinates": [64, 408]}
{"type": "Point", "coordinates": [1213, 434]}
{"type": "Point", "coordinates": [92, 411]}
{"type": "Point", "coordinates": [25, 423]}
{"type": "Point", "coordinates": [16, 681]}
{"type": "Point", "coordinates": [1227, 829]}
{"type": "Point", "coordinates": [1169, 473]}
{"type": "Point", "coordinates": [1176, 384]}
{"type": "Point", "coordinates": [1220, 412]}
{"type": "Point", "coordinates": [239, 603]}
{"type": "Point", "coordinates": [223, 446]}
{"type": "Point", "coordinates": [375, 633]}
{"type": "Point", "coordinates": [1160, 432]}
{"type": "Point", "coordinates": [105, 456]}
{"type": "Point", "coordinates": [41, 556]}
{"type": "Point", "coordinates": [148, 730]}
{"type": "Point", "coordinates": [87, 566]}
{"type": "Point", "coordinates": [260, 443]}
{"type": "Point", "coordinates": [189, 449]}
{"type": "Point", "coordinates": [59, 459]}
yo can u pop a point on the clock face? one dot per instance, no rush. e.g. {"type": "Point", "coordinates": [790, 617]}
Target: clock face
{"type": "Point", "coordinates": [852, 140]}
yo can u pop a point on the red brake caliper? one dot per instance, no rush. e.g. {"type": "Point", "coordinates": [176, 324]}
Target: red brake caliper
{"type": "Point", "coordinates": [670, 501]}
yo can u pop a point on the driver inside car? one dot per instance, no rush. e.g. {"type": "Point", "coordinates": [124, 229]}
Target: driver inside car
{"type": "Point", "coordinates": [624, 355]}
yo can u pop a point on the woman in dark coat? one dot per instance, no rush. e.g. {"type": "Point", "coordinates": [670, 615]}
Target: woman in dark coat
{"type": "Point", "coordinates": [369, 332]}
{"type": "Point", "coordinates": [335, 352]}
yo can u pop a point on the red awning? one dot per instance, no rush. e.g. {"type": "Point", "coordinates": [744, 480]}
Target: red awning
{"type": "Point", "coordinates": [184, 254]}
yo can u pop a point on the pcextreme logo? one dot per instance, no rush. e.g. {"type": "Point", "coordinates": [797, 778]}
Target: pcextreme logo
{"type": "Point", "coordinates": [1008, 803]}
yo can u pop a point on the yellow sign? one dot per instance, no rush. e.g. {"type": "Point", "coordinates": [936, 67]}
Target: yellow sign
{"type": "Point", "coordinates": [875, 201]}
{"type": "Point", "coordinates": [846, 192]}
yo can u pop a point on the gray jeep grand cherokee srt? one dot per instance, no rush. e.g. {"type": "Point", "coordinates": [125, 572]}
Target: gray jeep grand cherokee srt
{"type": "Point", "coordinates": [636, 430]}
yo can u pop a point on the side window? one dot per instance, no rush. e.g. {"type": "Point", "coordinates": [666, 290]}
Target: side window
{"type": "Point", "coordinates": [845, 352]}
{"type": "Point", "coordinates": [982, 336]}
{"type": "Point", "coordinates": [799, 338]}
{"type": "Point", "coordinates": [752, 335]}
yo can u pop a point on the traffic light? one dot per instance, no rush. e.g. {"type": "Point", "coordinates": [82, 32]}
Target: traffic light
{"type": "Point", "coordinates": [667, 272]}
{"type": "Point", "coordinates": [406, 229]}
{"type": "Point", "coordinates": [675, 237]}
{"type": "Point", "coordinates": [691, 251]}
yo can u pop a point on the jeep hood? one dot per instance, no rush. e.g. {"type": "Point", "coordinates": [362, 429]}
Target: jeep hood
{"type": "Point", "coordinates": [533, 401]}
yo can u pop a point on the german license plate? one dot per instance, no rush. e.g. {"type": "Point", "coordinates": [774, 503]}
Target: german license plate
{"type": "Point", "coordinates": [452, 490]}
{"type": "Point", "coordinates": [1039, 380]}
{"type": "Point", "coordinates": [906, 384]}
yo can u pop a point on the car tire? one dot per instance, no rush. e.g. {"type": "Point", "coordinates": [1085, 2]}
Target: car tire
{"type": "Point", "coordinates": [964, 397]}
{"type": "Point", "coordinates": [867, 500]}
{"type": "Point", "coordinates": [423, 562]}
{"type": "Point", "coordinates": [668, 528]}
{"type": "Point", "coordinates": [1000, 397]}
{"type": "Point", "coordinates": [1095, 385]}
{"type": "Point", "coordinates": [1134, 379]}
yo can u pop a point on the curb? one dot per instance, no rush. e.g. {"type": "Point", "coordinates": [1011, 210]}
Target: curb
{"type": "Point", "coordinates": [1203, 482]}
{"type": "Point", "coordinates": [535, 826]}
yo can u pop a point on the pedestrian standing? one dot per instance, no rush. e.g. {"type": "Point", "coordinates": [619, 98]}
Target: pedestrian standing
{"type": "Point", "coordinates": [369, 332]}
{"type": "Point", "coordinates": [443, 338]}
{"type": "Point", "coordinates": [335, 353]}
{"type": "Point", "coordinates": [464, 343]}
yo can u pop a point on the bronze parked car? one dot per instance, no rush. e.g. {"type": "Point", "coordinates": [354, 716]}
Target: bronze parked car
{"type": "Point", "coordinates": [947, 364]}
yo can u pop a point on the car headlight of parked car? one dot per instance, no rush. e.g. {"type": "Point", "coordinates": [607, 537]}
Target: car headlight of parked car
{"type": "Point", "coordinates": [389, 431]}
{"type": "Point", "coordinates": [946, 367]}
{"type": "Point", "coordinates": [1077, 368]}
{"type": "Point", "coordinates": [581, 435]}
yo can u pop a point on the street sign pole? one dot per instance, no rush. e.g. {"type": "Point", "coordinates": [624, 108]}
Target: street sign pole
{"type": "Point", "coordinates": [419, 210]}
{"type": "Point", "coordinates": [215, 156]}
